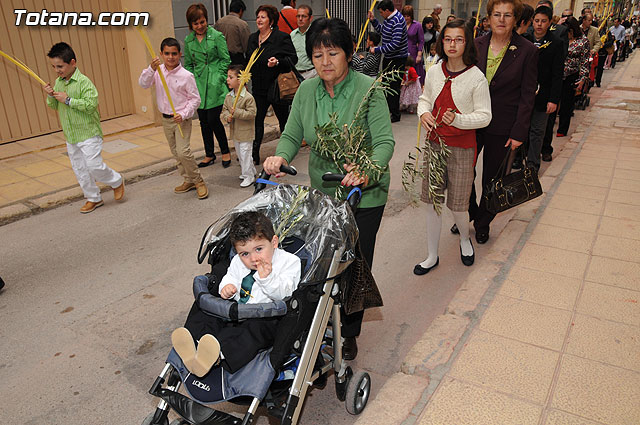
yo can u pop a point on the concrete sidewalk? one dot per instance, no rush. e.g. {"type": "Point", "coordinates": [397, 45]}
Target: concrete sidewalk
{"type": "Point", "coordinates": [36, 175]}
{"type": "Point", "coordinates": [546, 330]}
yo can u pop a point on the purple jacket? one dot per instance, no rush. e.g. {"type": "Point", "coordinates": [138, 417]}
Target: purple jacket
{"type": "Point", "coordinates": [513, 87]}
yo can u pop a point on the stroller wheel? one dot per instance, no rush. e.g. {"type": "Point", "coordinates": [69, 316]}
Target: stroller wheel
{"type": "Point", "coordinates": [149, 421]}
{"type": "Point", "coordinates": [358, 391]}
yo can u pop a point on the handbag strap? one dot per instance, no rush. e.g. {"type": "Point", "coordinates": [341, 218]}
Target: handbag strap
{"type": "Point", "coordinates": [285, 19]}
{"type": "Point", "coordinates": [507, 162]}
{"type": "Point", "coordinates": [293, 69]}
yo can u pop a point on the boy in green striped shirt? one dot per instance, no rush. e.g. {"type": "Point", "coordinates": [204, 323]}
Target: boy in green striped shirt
{"type": "Point", "coordinates": [76, 99]}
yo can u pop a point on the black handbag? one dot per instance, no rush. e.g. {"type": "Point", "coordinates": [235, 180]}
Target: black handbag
{"type": "Point", "coordinates": [359, 289]}
{"type": "Point", "coordinates": [283, 89]}
{"type": "Point", "coordinates": [507, 190]}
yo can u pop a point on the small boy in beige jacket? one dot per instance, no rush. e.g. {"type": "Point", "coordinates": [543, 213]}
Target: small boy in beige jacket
{"type": "Point", "coordinates": [241, 123]}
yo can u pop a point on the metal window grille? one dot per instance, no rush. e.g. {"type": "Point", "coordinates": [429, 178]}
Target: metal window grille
{"type": "Point", "coordinates": [353, 12]}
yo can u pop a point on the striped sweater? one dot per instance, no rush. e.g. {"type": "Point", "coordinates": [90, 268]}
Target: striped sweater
{"type": "Point", "coordinates": [395, 42]}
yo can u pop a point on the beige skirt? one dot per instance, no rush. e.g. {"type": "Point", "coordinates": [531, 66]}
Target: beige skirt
{"type": "Point", "coordinates": [458, 178]}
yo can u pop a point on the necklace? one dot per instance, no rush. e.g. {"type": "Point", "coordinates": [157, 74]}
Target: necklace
{"type": "Point", "coordinates": [263, 39]}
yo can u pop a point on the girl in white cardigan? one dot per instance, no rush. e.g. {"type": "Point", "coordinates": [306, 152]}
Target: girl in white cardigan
{"type": "Point", "coordinates": [455, 102]}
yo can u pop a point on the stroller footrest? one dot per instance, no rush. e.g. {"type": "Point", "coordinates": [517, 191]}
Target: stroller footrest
{"type": "Point", "coordinates": [195, 412]}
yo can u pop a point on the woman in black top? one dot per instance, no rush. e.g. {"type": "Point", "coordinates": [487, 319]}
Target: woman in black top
{"type": "Point", "coordinates": [276, 47]}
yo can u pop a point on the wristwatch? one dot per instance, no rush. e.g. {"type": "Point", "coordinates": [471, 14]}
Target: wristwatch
{"type": "Point", "coordinates": [67, 101]}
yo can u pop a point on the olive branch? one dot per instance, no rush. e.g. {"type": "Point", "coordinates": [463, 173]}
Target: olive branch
{"type": "Point", "coordinates": [348, 144]}
{"type": "Point", "coordinates": [291, 216]}
{"type": "Point", "coordinates": [436, 160]}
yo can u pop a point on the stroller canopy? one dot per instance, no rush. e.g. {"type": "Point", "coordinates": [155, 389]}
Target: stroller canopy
{"type": "Point", "coordinates": [323, 223]}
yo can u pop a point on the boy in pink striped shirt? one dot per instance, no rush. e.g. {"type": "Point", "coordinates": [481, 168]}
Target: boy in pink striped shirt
{"type": "Point", "coordinates": [186, 100]}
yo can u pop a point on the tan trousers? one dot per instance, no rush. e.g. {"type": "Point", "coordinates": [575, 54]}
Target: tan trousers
{"type": "Point", "coordinates": [181, 149]}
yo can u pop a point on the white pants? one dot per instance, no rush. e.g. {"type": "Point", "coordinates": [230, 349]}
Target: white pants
{"type": "Point", "coordinates": [309, 74]}
{"type": "Point", "coordinates": [243, 150]}
{"type": "Point", "coordinates": [87, 163]}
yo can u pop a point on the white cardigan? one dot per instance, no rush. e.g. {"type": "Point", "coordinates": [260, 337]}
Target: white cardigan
{"type": "Point", "coordinates": [470, 92]}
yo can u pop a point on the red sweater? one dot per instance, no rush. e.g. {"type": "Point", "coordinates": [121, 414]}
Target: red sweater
{"type": "Point", "coordinates": [452, 136]}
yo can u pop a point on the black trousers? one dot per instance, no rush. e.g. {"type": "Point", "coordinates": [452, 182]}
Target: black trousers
{"type": "Point", "coordinates": [262, 105]}
{"type": "Point", "coordinates": [239, 342]}
{"type": "Point", "coordinates": [393, 99]}
{"type": "Point", "coordinates": [493, 153]}
{"type": "Point", "coordinates": [600, 69]}
{"type": "Point", "coordinates": [209, 124]}
{"type": "Point", "coordinates": [548, 134]}
{"type": "Point", "coordinates": [368, 220]}
{"type": "Point", "coordinates": [567, 101]}
{"type": "Point", "coordinates": [237, 58]}
{"type": "Point", "coordinates": [615, 54]}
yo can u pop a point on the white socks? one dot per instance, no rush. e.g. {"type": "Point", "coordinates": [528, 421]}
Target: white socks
{"type": "Point", "coordinates": [462, 222]}
{"type": "Point", "coordinates": [434, 227]}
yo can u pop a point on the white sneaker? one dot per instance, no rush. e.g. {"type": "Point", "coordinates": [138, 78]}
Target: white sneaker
{"type": "Point", "coordinates": [248, 181]}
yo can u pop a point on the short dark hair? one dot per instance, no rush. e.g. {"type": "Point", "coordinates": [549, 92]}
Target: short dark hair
{"type": "Point", "coordinates": [549, 4]}
{"type": "Point", "coordinates": [235, 67]}
{"type": "Point", "coordinates": [169, 42]}
{"type": "Point", "coordinates": [237, 6]}
{"type": "Point", "coordinates": [386, 5]}
{"type": "Point", "coordinates": [573, 26]}
{"type": "Point", "coordinates": [516, 4]}
{"type": "Point", "coordinates": [63, 51]}
{"type": "Point", "coordinates": [374, 37]}
{"type": "Point", "coordinates": [271, 11]}
{"type": "Point", "coordinates": [195, 12]}
{"type": "Point", "coordinates": [544, 10]}
{"type": "Point", "coordinates": [470, 54]}
{"type": "Point", "coordinates": [286, 2]}
{"type": "Point", "coordinates": [527, 14]}
{"type": "Point", "coordinates": [329, 33]}
{"type": "Point", "coordinates": [250, 225]}
{"type": "Point", "coordinates": [407, 10]}
{"type": "Point", "coordinates": [410, 61]}
{"type": "Point", "coordinates": [305, 6]}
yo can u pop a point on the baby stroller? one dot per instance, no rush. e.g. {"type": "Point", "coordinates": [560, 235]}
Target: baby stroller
{"type": "Point", "coordinates": [582, 98]}
{"type": "Point", "coordinates": [322, 232]}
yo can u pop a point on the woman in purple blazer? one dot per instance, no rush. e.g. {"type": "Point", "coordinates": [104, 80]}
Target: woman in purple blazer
{"type": "Point", "coordinates": [510, 63]}
{"type": "Point", "coordinates": [415, 38]}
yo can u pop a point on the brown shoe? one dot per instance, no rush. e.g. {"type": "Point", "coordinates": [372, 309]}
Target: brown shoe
{"type": "Point", "coordinates": [202, 190]}
{"type": "Point", "coordinates": [184, 187]}
{"type": "Point", "coordinates": [118, 192]}
{"type": "Point", "coordinates": [90, 206]}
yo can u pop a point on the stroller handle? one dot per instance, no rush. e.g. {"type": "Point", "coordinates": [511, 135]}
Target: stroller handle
{"type": "Point", "coordinates": [356, 192]}
{"type": "Point", "coordinates": [287, 169]}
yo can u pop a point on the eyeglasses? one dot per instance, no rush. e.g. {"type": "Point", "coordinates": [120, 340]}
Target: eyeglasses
{"type": "Point", "coordinates": [497, 15]}
{"type": "Point", "coordinates": [567, 16]}
{"type": "Point", "coordinates": [457, 40]}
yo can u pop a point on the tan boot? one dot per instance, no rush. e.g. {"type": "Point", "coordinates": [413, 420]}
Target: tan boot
{"type": "Point", "coordinates": [90, 206]}
{"type": "Point", "coordinates": [202, 190]}
{"type": "Point", "coordinates": [184, 187]}
{"type": "Point", "coordinates": [118, 192]}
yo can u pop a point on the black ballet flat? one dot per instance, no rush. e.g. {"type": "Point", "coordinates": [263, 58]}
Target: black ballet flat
{"type": "Point", "coordinates": [226, 164]}
{"type": "Point", "coordinates": [468, 260]}
{"type": "Point", "coordinates": [419, 270]}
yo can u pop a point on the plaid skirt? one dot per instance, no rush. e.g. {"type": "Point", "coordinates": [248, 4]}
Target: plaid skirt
{"type": "Point", "coordinates": [458, 178]}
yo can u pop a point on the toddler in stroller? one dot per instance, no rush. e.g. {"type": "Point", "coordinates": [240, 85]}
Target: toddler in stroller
{"type": "Point", "coordinates": [307, 342]}
{"type": "Point", "coordinates": [260, 272]}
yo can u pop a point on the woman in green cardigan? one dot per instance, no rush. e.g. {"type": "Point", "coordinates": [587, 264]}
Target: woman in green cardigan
{"type": "Point", "coordinates": [337, 89]}
{"type": "Point", "coordinates": [206, 56]}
